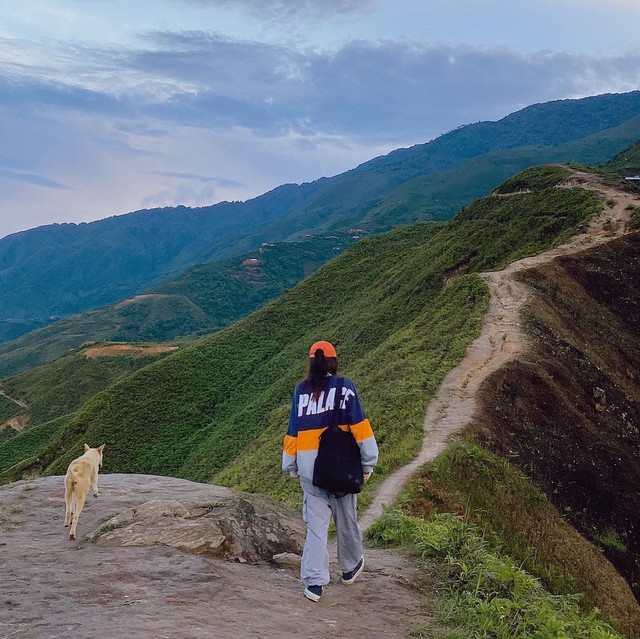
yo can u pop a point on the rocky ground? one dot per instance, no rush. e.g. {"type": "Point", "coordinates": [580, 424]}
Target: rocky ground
{"type": "Point", "coordinates": [179, 587]}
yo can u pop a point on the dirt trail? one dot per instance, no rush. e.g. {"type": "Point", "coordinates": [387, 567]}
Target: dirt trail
{"type": "Point", "coordinates": [15, 401]}
{"type": "Point", "coordinates": [501, 338]}
{"type": "Point", "coordinates": [18, 422]}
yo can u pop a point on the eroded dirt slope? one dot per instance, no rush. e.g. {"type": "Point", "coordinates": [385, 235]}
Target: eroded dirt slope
{"type": "Point", "coordinates": [568, 414]}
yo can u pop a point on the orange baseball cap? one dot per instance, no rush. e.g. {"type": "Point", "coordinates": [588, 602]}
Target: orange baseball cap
{"type": "Point", "coordinates": [326, 347]}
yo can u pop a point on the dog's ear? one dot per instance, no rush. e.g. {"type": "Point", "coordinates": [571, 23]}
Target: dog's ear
{"type": "Point", "coordinates": [87, 447]}
{"type": "Point", "coordinates": [101, 448]}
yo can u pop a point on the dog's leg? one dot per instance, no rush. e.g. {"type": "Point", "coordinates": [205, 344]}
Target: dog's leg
{"type": "Point", "coordinates": [77, 509]}
{"type": "Point", "coordinates": [68, 497]}
{"type": "Point", "coordinates": [94, 482]}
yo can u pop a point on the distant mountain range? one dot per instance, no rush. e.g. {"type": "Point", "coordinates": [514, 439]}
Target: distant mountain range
{"type": "Point", "coordinates": [60, 269]}
{"type": "Point", "coordinates": [203, 299]}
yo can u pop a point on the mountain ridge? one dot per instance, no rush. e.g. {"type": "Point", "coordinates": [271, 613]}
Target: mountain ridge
{"type": "Point", "coordinates": [82, 275]}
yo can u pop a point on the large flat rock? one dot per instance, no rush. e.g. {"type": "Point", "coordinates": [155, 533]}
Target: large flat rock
{"type": "Point", "coordinates": [112, 589]}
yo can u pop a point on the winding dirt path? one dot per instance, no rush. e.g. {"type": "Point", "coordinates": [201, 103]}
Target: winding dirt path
{"type": "Point", "coordinates": [501, 338]}
{"type": "Point", "coordinates": [18, 422]}
{"type": "Point", "coordinates": [15, 401]}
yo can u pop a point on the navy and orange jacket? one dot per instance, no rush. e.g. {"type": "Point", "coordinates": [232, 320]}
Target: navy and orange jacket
{"type": "Point", "coordinates": [309, 418]}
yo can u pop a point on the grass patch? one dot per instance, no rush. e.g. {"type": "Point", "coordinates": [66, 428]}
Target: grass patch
{"type": "Point", "coordinates": [29, 443]}
{"type": "Point", "coordinates": [8, 409]}
{"type": "Point", "coordinates": [470, 481]}
{"type": "Point", "coordinates": [104, 530]}
{"type": "Point", "coordinates": [535, 179]}
{"type": "Point", "coordinates": [611, 540]}
{"type": "Point", "coordinates": [634, 219]}
{"type": "Point", "coordinates": [484, 592]}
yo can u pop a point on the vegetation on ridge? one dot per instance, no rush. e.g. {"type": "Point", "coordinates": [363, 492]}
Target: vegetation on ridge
{"type": "Point", "coordinates": [401, 309]}
{"type": "Point", "coordinates": [484, 593]}
{"type": "Point", "coordinates": [627, 162]}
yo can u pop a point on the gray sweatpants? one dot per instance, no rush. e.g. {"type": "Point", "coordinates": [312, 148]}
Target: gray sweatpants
{"type": "Point", "coordinates": [316, 512]}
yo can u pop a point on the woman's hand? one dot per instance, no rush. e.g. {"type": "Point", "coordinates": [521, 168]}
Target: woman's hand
{"type": "Point", "coordinates": [366, 477]}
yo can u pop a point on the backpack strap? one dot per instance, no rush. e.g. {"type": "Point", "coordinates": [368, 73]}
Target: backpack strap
{"type": "Point", "coordinates": [335, 422]}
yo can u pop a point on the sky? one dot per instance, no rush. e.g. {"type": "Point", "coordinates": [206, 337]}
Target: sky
{"type": "Point", "coordinates": [110, 106]}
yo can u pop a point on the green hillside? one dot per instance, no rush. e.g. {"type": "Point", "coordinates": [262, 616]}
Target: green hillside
{"type": "Point", "coordinates": [14, 328]}
{"type": "Point", "coordinates": [438, 196]}
{"type": "Point", "coordinates": [58, 270]}
{"type": "Point", "coordinates": [203, 299]}
{"type": "Point", "coordinates": [218, 408]}
{"type": "Point", "coordinates": [52, 394]}
{"type": "Point", "coordinates": [627, 162]}
{"type": "Point", "coordinates": [8, 409]}
{"type": "Point", "coordinates": [230, 289]}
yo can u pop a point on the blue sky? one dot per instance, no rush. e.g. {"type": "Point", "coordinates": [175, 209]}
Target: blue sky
{"type": "Point", "coordinates": [109, 106]}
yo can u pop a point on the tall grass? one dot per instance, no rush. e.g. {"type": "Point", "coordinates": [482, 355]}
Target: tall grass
{"type": "Point", "coordinates": [504, 504]}
{"type": "Point", "coordinates": [485, 594]}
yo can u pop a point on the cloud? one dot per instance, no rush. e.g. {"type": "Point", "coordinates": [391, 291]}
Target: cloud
{"type": "Point", "coordinates": [189, 189]}
{"type": "Point", "coordinates": [31, 178]}
{"type": "Point", "coordinates": [378, 91]}
{"type": "Point", "coordinates": [279, 9]}
{"type": "Point", "coordinates": [200, 178]}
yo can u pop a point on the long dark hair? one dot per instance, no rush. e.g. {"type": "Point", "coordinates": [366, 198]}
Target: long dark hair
{"type": "Point", "coordinates": [319, 366]}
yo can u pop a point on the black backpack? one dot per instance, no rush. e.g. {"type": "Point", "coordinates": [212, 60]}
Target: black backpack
{"type": "Point", "coordinates": [338, 466]}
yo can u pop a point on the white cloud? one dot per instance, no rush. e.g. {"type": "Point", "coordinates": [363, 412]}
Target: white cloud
{"type": "Point", "coordinates": [90, 131]}
{"type": "Point", "coordinates": [378, 91]}
{"type": "Point", "coordinates": [278, 9]}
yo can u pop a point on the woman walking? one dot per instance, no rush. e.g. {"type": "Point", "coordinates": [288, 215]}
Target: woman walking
{"type": "Point", "coordinates": [312, 410]}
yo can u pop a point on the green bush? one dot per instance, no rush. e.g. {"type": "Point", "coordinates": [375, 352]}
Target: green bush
{"type": "Point", "coordinates": [634, 219]}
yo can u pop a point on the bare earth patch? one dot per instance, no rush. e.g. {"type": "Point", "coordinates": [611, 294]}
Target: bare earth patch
{"type": "Point", "coordinates": [137, 350]}
{"type": "Point", "coordinates": [18, 423]}
{"type": "Point", "coordinates": [138, 298]}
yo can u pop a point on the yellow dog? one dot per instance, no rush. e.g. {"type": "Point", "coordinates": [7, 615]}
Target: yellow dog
{"type": "Point", "coordinates": [82, 474]}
